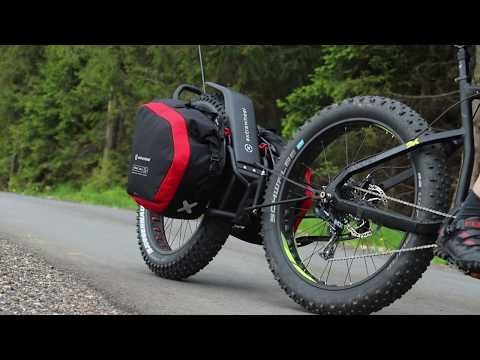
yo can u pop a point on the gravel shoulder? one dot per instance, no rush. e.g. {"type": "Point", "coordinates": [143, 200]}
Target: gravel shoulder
{"type": "Point", "coordinates": [29, 285]}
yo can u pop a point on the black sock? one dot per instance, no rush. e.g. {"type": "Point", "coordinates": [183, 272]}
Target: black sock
{"type": "Point", "coordinates": [471, 207]}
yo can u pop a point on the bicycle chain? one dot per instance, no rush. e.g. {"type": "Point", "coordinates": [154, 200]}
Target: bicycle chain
{"type": "Point", "coordinates": [389, 198]}
{"type": "Point", "coordinates": [392, 252]}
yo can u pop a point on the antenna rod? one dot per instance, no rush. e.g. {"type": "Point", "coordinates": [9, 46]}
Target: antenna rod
{"type": "Point", "coordinates": [201, 67]}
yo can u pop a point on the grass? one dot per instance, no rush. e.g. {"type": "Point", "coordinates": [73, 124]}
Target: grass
{"type": "Point", "coordinates": [115, 197]}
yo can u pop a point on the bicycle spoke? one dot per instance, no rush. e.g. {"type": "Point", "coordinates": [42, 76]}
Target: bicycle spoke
{"type": "Point", "coordinates": [351, 262]}
{"type": "Point", "coordinates": [355, 158]}
{"type": "Point", "coordinates": [325, 156]}
{"type": "Point", "coordinates": [308, 230]}
{"type": "Point", "coordinates": [346, 264]}
{"type": "Point", "coordinates": [364, 259]}
{"type": "Point", "coordinates": [173, 234]}
{"type": "Point", "coordinates": [373, 262]}
{"type": "Point", "coordinates": [171, 230]}
{"type": "Point", "coordinates": [182, 239]}
{"type": "Point", "coordinates": [346, 147]}
{"type": "Point", "coordinates": [311, 256]}
{"type": "Point", "coordinates": [336, 152]}
{"type": "Point", "coordinates": [178, 233]}
{"type": "Point", "coordinates": [328, 275]}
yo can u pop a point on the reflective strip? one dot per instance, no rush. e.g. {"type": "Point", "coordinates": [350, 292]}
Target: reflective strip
{"type": "Point", "coordinates": [412, 143]}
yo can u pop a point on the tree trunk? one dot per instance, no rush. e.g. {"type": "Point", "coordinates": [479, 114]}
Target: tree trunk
{"type": "Point", "coordinates": [476, 103]}
{"type": "Point", "coordinates": [13, 165]}
{"type": "Point", "coordinates": [111, 129]}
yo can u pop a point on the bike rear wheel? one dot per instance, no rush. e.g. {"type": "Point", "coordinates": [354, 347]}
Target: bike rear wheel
{"type": "Point", "coordinates": [178, 249]}
{"type": "Point", "coordinates": [296, 238]}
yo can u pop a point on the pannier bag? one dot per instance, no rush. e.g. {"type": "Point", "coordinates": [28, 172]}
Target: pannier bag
{"type": "Point", "coordinates": [178, 158]}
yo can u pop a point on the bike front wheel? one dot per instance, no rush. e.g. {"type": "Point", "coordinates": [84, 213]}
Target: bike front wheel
{"type": "Point", "coordinates": [363, 270]}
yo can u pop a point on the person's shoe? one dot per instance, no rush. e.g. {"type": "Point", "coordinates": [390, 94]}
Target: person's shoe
{"type": "Point", "coordinates": [459, 244]}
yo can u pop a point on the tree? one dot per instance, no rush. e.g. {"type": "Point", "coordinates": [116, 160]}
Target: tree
{"type": "Point", "coordinates": [19, 66]}
{"type": "Point", "coordinates": [67, 112]}
{"type": "Point", "coordinates": [48, 122]}
{"type": "Point", "coordinates": [103, 80]}
{"type": "Point", "coordinates": [266, 73]}
{"type": "Point", "coordinates": [413, 74]}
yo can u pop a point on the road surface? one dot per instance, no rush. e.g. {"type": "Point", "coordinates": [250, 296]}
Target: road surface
{"type": "Point", "coordinates": [100, 244]}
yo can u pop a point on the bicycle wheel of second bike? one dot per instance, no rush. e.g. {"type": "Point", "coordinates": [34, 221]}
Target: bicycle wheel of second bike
{"type": "Point", "coordinates": [365, 275]}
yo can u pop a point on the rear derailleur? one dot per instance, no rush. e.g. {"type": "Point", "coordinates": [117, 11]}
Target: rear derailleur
{"type": "Point", "coordinates": [345, 227]}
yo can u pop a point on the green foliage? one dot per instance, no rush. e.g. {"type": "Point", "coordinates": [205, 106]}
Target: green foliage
{"type": "Point", "coordinates": [87, 194]}
{"type": "Point", "coordinates": [347, 71]}
{"type": "Point", "coordinates": [265, 73]}
{"type": "Point", "coordinates": [66, 112]}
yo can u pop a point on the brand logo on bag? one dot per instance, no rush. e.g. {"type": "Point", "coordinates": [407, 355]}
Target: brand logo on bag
{"type": "Point", "coordinates": [140, 170]}
{"type": "Point", "coordinates": [138, 157]}
{"type": "Point", "coordinates": [187, 207]}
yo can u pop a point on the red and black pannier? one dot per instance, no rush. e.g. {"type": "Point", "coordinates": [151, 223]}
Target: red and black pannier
{"type": "Point", "coordinates": [178, 158]}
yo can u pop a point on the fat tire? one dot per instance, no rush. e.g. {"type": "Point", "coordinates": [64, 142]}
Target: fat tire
{"type": "Point", "coordinates": [197, 253]}
{"type": "Point", "coordinates": [391, 283]}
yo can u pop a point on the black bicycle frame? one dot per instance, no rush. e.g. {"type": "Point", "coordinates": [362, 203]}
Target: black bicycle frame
{"type": "Point", "coordinates": [468, 93]}
{"type": "Point", "coordinates": [252, 175]}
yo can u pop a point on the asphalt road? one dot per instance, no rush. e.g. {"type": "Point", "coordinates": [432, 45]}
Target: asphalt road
{"type": "Point", "coordinates": [100, 244]}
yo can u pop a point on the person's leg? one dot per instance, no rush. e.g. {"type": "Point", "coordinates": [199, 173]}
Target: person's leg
{"type": "Point", "coordinates": [459, 240]}
{"type": "Point", "coordinates": [471, 206]}
{"type": "Point", "coordinates": [476, 188]}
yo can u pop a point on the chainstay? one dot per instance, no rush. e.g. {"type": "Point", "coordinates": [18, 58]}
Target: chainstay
{"type": "Point", "coordinates": [383, 197]}
{"type": "Point", "coordinates": [406, 203]}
